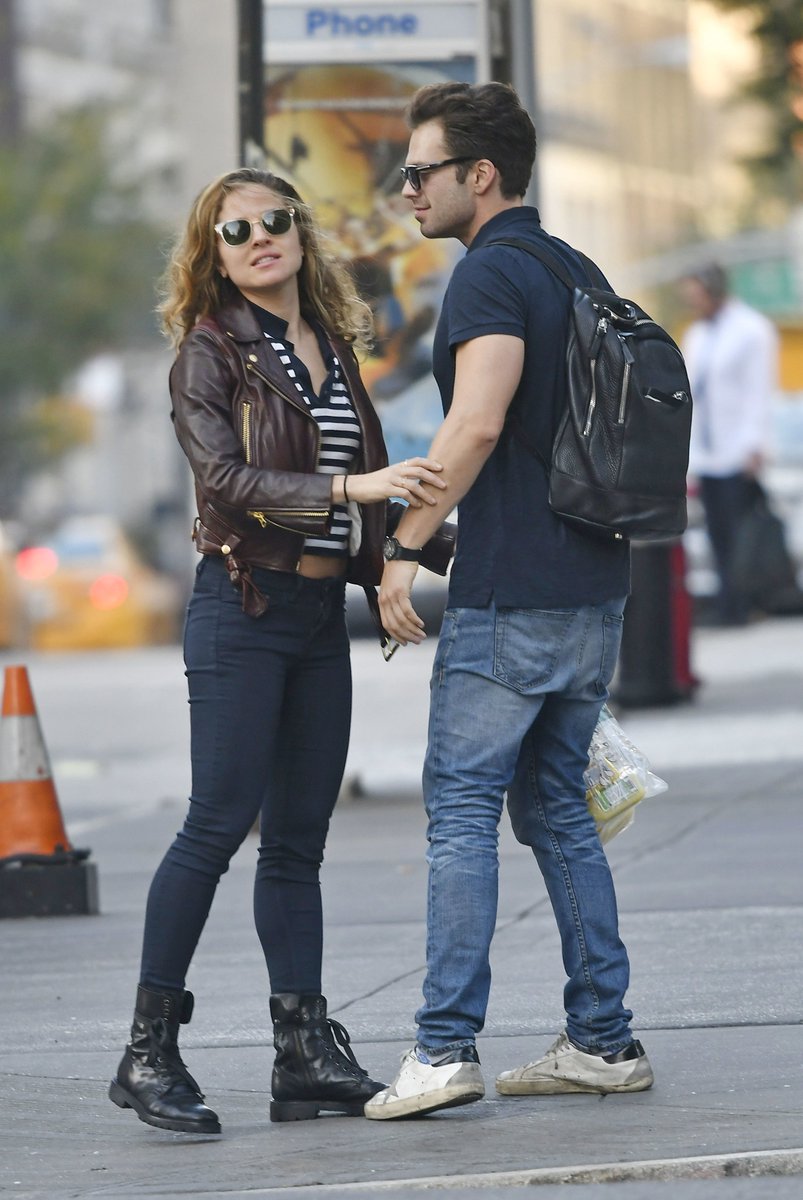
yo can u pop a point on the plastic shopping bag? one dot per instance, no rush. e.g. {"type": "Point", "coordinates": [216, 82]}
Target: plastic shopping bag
{"type": "Point", "coordinates": [617, 778]}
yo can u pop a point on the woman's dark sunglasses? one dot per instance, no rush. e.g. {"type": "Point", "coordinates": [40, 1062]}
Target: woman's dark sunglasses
{"type": "Point", "coordinates": [238, 232]}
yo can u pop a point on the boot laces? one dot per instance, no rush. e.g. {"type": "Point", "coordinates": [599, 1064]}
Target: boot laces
{"type": "Point", "coordinates": [341, 1036]}
{"type": "Point", "coordinates": [164, 1047]}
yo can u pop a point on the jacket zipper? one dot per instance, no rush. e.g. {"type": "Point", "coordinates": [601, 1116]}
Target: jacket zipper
{"type": "Point", "coordinates": [258, 514]}
{"type": "Point", "coordinates": [249, 366]}
{"type": "Point", "coordinates": [246, 430]}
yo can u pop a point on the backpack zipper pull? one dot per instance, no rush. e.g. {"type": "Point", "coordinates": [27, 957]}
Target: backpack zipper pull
{"type": "Point", "coordinates": [602, 329]}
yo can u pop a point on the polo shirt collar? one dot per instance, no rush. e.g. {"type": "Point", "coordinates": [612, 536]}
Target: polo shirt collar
{"type": "Point", "coordinates": [508, 221]}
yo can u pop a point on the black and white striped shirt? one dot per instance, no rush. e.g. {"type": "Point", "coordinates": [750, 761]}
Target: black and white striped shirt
{"type": "Point", "coordinates": [334, 412]}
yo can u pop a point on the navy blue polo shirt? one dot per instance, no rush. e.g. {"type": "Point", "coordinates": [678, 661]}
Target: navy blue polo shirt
{"type": "Point", "coordinates": [511, 548]}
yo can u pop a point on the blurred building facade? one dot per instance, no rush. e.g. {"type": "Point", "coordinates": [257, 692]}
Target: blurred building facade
{"type": "Point", "coordinates": [166, 70]}
{"type": "Point", "coordinates": [615, 122]}
{"type": "Point", "coordinates": [761, 243]}
{"type": "Point", "coordinates": [643, 137]}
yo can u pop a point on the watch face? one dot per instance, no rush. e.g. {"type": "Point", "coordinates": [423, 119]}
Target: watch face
{"type": "Point", "coordinates": [392, 549]}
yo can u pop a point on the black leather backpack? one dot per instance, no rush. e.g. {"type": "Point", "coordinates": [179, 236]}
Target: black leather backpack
{"type": "Point", "coordinates": [620, 451]}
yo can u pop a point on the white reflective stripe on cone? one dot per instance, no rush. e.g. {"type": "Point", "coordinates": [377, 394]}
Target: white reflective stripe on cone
{"type": "Point", "coordinates": [22, 750]}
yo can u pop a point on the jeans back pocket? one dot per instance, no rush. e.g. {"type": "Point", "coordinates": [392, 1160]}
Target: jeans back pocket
{"type": "Point", "coordinates": [528, 644]}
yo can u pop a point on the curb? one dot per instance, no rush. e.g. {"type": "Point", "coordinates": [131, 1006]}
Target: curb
{"type": "Point", "coordinates": [746, 1164]}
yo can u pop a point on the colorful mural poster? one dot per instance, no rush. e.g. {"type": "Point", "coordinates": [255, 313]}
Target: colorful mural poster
{"type": "Point", "coordinates": [338, 132]}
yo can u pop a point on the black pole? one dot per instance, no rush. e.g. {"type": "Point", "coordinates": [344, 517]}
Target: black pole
{"type": "Point", "coordinates": [250, 81]}
{"type": "Point", "coordinates": [9, 90]}
{"type": "Point", "coordinates": [523, 70]}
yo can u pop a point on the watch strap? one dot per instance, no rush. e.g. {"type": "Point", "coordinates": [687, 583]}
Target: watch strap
{"type": "Point", "coordinates": [406, 554]}
{"type": "Point", "coordinates": [401, 553]}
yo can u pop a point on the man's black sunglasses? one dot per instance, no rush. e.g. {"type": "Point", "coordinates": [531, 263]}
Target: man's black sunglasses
{"type": "Point", "coordinates": [412, 175]}
{"type": "Point", "coordinates": [238, 232]}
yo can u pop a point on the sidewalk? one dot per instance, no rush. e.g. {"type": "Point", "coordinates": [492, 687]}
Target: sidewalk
{"type": "Point", "coordinates": [710, 889]}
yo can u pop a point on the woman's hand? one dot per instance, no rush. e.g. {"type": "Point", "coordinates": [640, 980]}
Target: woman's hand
{"type": "Point", "coordinates": [409, 480]}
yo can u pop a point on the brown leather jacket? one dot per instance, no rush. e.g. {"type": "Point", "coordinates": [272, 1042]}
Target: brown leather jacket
{"type": "Point", "coordinates": [253, 448]}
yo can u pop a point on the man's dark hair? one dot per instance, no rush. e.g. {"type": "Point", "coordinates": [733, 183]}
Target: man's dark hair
{"type": "Point", "coordinates": [484, 120]}
{"type": "Point", "coordinates": [713, 277]}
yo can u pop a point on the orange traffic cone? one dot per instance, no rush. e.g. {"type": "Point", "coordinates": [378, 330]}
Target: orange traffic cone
{"type": "Point", "coordinates": [32, 833]}
{"type": "Point", "coordinates": [31, 827]}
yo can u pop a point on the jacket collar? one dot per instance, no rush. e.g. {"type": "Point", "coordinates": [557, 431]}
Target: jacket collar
{"type": "Point", "coordinates": [237, 321]}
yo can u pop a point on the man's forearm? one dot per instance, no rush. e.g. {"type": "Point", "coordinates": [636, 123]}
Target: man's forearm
{"type": "Point", "coordinates": [462, 448]}
{"type": "Point", "coordinates": [487, 373]}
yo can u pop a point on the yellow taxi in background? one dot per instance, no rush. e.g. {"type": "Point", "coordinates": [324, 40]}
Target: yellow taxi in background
{"type": "Point", "coordinates": [86, 588]}
{"type": "Point", "coordinates": [11, 616]}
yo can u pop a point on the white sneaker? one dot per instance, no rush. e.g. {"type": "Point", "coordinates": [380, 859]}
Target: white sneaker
{"type": "Point", "coordinates": [564, 1068]}
{"type": "Point", "coordinates": [426, 1083]}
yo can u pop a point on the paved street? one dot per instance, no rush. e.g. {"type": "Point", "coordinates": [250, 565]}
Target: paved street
{"type": "Point", "coordinates": [710, 890]}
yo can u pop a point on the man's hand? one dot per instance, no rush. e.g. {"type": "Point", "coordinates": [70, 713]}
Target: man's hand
{"type": "Point", "coordinates": [399, 617]}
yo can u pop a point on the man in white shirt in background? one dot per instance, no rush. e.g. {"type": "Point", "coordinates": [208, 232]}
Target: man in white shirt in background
{"type": "Point", "coordinates": [731, 352]}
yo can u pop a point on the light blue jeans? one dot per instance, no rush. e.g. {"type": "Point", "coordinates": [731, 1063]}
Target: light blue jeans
{"type": "Point", "coordinates": [516, 694]}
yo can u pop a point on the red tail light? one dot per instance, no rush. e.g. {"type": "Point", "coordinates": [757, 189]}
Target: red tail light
{"type": "Point", "coordinates": [108, 591]}
{"type": "Point", "coordinates": [35, 563]}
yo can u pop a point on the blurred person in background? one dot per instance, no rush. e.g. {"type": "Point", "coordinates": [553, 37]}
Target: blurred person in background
{"type": "Point", "coordinates": [731, 352]}
{"type": "Point", "coordinates": [291, 481]}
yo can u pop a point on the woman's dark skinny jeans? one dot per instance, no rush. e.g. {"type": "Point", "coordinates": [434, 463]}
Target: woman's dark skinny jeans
{"type": "Point", "coordinates": [270, 708]}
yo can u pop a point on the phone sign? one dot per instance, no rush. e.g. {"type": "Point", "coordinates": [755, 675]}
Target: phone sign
{"type": "Point", "coordinates": [373, 30]}
{"type": "Point", "coordinates": [334, 22]}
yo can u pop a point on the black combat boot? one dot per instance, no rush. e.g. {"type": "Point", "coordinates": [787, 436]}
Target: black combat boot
{"type": "Point", "coordinates": [315, 1069]}
{"type": "Point", "coordinates": [151, 1077]}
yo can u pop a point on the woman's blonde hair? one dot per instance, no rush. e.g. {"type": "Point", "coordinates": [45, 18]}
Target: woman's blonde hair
{"type": "Point", "coordinates": [192, 286]}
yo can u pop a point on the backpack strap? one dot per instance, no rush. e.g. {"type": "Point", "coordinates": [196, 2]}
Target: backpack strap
{"type": "Point", "coordinates": [554, 263]}
{"type": "Point", "coordinates": [557, 267]}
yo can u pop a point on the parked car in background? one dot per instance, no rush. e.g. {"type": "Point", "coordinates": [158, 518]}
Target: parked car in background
{"type": "Point", "coordinates": [85, 587]}
{"type": "Point", "coordinates": [11, 613]}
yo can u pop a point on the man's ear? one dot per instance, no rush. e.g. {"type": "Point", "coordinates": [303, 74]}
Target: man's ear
{"type": "Point", "coordinates": [485, 175]}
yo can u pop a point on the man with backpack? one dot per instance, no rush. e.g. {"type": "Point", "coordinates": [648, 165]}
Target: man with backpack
{"type": "Point", "coordinates": [530, 637]}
